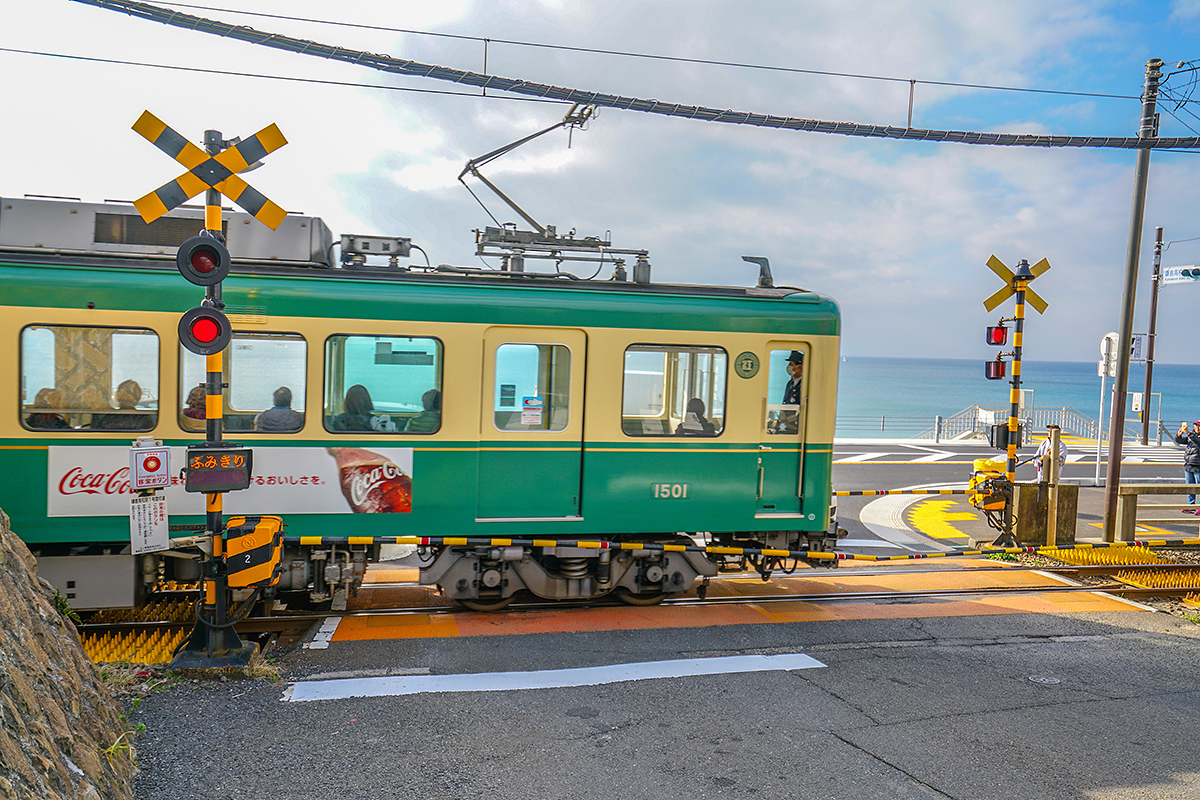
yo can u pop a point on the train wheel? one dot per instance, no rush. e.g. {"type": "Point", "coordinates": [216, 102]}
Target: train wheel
{"type": "Point", "coordinates": [495, 605]}
{"type": "Point", "coordinates": [647, 599]}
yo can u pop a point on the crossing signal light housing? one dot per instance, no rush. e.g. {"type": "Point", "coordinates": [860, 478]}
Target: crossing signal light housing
{"type": "Point", "coordinates": [203, 260]}
{"type": "Point", "coordinates": [993, 370]}
{"type": "Point", "coordinates": [997, 334]}
{"type": "Point", "coordinates": [204, 330]}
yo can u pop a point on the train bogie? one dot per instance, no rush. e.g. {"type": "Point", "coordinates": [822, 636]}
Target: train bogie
{"type": "Point", "coordinates": [490, 576]}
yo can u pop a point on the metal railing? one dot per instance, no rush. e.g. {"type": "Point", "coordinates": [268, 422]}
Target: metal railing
{"type": "Point", "coordinates": [973, 422]}
{"type": "Point", "coordinates": [887, 426]}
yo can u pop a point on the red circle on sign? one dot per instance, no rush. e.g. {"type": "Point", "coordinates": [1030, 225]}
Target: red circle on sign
{"type": "Point", "coordinates": [151, 464]}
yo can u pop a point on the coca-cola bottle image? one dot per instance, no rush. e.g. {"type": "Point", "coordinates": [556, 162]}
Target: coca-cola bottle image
{"type": "Point", "coordinates": [372, 483]}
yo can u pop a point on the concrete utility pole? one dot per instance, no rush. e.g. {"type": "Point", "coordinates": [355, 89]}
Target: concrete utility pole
{"type": "Point", "coordinates": [1154, 284]}
{"type": "Point", "coordinates": [1116, 426]}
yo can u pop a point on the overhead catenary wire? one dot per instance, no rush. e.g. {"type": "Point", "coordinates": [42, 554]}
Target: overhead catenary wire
{"type": "Point", "coordinates": [487, 40]}
{"type": "Point", "coordinates": [265, 76]}
{"type": "Point", "coordinates": [385, 63]}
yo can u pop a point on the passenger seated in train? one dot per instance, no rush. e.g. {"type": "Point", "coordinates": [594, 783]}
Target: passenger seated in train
{"type": "Point", "coordinates": [194, 415]}
{"type": "Point", "coordinates": [49, 398]}
{"type": "Point", "coordinates": [694, 423]}
{"type": "Point", "coordinates": [359, 414]}
{"type": "Point", "coordinates": [127, 396]}
{"type": "Point", "coordinates": [430, 419]}
{"type": "Point", "coordinates": [281, 417]}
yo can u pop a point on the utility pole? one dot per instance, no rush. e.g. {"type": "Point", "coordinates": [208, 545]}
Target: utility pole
{"type": "Point", "coordinates": [1116, 426]}
{"type": "Point", "coordinates": [1158, 248]}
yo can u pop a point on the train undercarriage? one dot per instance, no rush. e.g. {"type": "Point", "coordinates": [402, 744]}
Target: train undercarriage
{"type": "Point", "coordinates": [487, 578]}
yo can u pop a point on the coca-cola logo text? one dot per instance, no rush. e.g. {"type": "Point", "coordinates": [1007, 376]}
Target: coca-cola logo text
{"type": "Point", "coordinates": [363, 481]}
{"type": "Point", "coordinates": [76, 481]}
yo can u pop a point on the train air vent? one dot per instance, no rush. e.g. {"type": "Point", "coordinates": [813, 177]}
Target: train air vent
{"type": "Point", "coordinates": [131, 229]}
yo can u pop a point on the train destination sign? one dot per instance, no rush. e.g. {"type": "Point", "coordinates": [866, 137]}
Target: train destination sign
{"type": "Point", "coordinates": [212, 469]}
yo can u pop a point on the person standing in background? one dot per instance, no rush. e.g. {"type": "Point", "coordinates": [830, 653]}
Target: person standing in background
{"type": "Point", "coordinates": [1191, 458]}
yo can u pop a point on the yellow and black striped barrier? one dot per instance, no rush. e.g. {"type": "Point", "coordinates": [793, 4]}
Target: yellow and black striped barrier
{"type": "Point", "coordinates": [815, 555]}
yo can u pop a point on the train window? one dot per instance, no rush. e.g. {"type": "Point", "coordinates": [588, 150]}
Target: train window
{"type": "Point", "coordinates": [674, 391]}
{"type": "Point", "coordinates": [784, 391]}
{"type": "Point", "coordinates": [85, 378]}
{"type": "Point", "coordinates": [383, 384]}
{"type": "Point", "coordinates": [533, 387]}
{"type": "Point", "coordinates": [265, 374]}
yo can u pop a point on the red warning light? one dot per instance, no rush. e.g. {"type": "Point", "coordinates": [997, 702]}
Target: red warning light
{"type": "Point", "coordinates": [997, 334]}
{"type": "Point", "coordinates": [993, 370]}
{"type": "Point", "coordinates": [205, 330]}
{"type": "Point", "coordinates": [203, 261]}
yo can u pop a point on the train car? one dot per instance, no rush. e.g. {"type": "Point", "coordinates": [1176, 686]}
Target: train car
{"type": "Point", "coordinates": [390, 400]}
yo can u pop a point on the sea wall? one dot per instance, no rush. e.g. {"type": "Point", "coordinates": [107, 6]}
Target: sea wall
{"type": "Point", "coordinates": [60, 728]}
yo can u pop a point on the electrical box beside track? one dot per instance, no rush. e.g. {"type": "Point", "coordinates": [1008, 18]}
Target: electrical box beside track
{"type": "Point", "coordinates": [983, 496]}
{"type": "Point", "coordinates": [253, 547]}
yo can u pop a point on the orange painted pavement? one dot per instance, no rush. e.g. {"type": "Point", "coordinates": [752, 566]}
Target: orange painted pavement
{"type": "Point", "coordinates": [436, 625]}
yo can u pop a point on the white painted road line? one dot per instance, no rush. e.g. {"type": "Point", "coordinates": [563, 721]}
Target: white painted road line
{"type": "Point", "coordinates": [395, 685]}
{"type": "Point", "coordinates": [860, 457]}
{"type": "Point", "coordinates": [325, 634]}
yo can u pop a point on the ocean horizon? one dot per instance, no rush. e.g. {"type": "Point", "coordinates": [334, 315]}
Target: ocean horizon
{"type": "Point", "coordinates": [912, 392]}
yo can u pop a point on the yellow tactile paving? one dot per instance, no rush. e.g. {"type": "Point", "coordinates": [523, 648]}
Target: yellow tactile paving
{"type": "Point", "coordinates": [933, 518]}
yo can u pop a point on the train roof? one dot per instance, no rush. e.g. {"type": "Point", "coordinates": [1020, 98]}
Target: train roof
{"type": "Point", "coordinates": [58, 232]}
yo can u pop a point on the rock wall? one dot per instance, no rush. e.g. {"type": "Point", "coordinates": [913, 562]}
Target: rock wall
{"type": "Point", "coordinates": [58, 721]}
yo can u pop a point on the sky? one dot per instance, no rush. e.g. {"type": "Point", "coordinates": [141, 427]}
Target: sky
{"type": "Point", "coordinates": [897, 232]}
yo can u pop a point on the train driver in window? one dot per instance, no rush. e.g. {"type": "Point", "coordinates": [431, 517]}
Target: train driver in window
{"type": "Point", "coordinates": [430, 418]}
{"type": "Point", "coordinates": [127, 396]}
{"type": "Point", "coordinates": [281, 417]}
{"type": "Point", "coordinates": [787, 420]}
{"type": "Point", "coordinates": [694, 423]}
{"type": "Point", "coordinates": [795, 371]}
{"type": "Point", "coordinates": [48, 398]}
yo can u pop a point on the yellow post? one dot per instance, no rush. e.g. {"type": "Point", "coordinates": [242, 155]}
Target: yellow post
{"type": "Point", "coordinates": [1052, 498]}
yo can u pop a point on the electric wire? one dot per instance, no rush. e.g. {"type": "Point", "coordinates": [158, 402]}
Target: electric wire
{"type": "Point", "coordinates": [385, 63]}
{"type": "Point", "coordinates": [653, 56]}
{"type": "Point", "coordinates": [265, 76]}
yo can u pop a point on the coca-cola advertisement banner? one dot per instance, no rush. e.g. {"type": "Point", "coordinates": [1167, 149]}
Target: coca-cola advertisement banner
{"type": "Point", "coordinates": [94, 482]}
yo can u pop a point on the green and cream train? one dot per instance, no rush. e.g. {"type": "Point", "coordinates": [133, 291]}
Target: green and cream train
{"type": "Point", "coordinates": [392, 401]}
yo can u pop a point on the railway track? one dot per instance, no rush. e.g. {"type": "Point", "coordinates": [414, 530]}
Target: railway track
{"type": "Point", "coordinates": [288, 629]}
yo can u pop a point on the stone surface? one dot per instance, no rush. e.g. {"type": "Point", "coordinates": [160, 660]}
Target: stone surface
{"type": "Point", "coordinates": [59, 724]}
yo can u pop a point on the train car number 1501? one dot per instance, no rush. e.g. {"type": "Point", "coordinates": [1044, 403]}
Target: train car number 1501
{"type": "Point", "coordinates": [670, 490]}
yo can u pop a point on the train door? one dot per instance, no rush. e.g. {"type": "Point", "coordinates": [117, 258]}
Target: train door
{"type": "Point", "coordinates": [781, 443]}
{"type": "Point", "coordinates": [531, 423]}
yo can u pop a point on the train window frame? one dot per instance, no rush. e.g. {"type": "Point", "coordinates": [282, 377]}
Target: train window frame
{"type": "Point", "coordinates": [662, 427]}
{"type": "Point", "coordinates": [63, 413]}
{"type": "Point", "coordinates": [554, 423]}
{"type": "Point", "coordinates": [328, 377]}
{"type": "Point", "coordinates": [229, 378]}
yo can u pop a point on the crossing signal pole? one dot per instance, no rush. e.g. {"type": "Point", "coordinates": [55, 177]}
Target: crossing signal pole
{"type": "Point", "coordinates": [1016, 284]}
{"type": "Point", "coordinates": [213, 467]}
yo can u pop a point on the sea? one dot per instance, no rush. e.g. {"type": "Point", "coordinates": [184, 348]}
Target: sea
{"type": "Point", "coordinates": [899, 397]}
